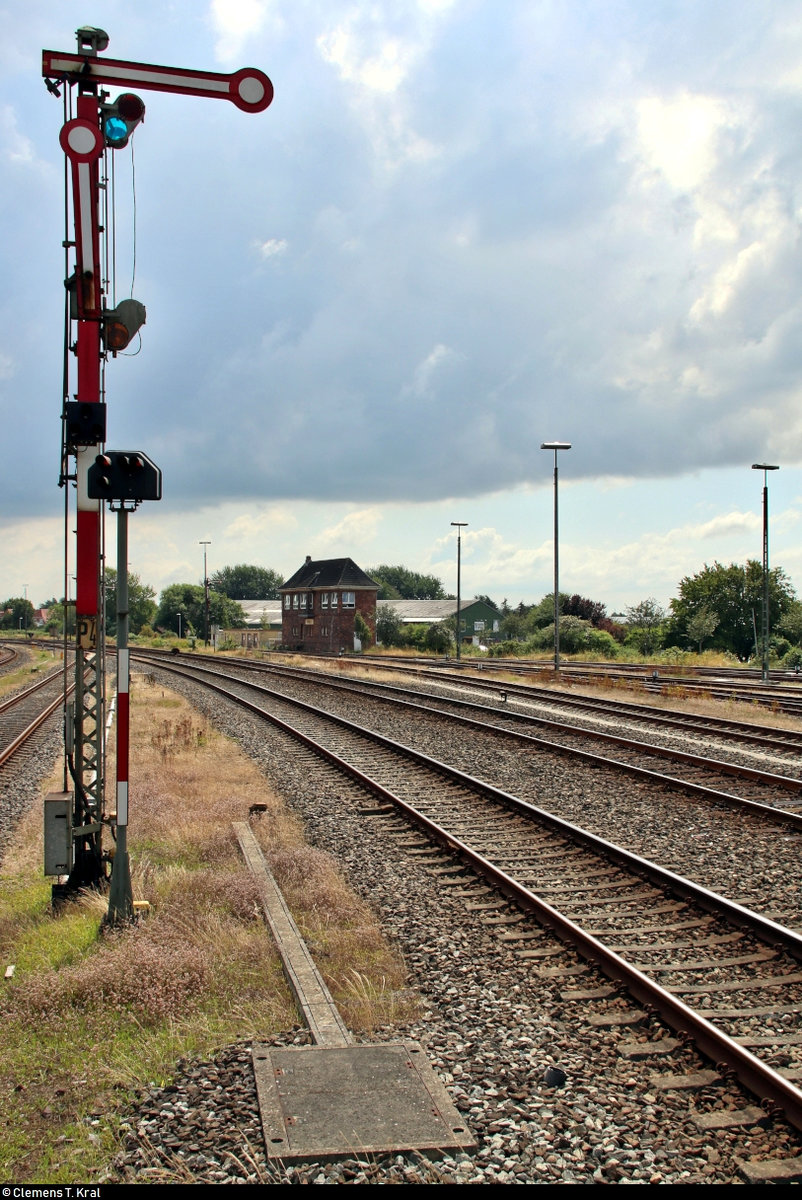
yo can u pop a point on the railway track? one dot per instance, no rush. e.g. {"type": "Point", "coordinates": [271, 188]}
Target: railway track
{"type": "Point", "coordinates": [23, 713]}
{"type": "Point", "coordinates": [611, 706]}
{"type": "Point", "coordinates": [760, 787]}
{"type": "Point", "coordinates": [718, 972]}
{"type": "Point", "coordinates": [31, 723]}
{"type": "Point", "coordinates": [781, 693]}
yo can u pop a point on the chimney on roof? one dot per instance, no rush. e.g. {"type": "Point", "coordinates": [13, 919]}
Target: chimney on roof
{"type": "Point", "coordinates": [309, 558]}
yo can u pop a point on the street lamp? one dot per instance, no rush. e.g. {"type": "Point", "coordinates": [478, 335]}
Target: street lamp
{"type": "Point", "coordinates": [555, 446]}
{"type": "Point", "coordinates": [205, 595]}
{"type": "Point", "coordinates": [765, 468]}
{"type": "Point", "coordinates": [459, 525]}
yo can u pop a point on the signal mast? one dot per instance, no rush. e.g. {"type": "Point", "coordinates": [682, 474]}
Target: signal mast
{"type": "Point", "coordinates": [75, 820]}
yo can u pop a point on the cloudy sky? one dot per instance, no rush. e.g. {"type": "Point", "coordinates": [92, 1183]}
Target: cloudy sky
{"type": "Point", "coordinates": [463, 228]}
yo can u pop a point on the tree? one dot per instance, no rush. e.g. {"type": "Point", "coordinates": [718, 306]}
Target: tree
{"type": "Point", "coordinates": [362, 630]}
{"type": "Point", "coordinates": [399, 583]}
{"type": "Point", "coordinates": [542, 613]}
{"type": "Point", "coordinates": [389, 629]}
{"type": "Point", "coordinates": [701, 626]}
{"type": "Point", "coordinates": [588, 610]}
{"type": "Point", "coordinates": [439, 638]}
{"type": "Point", "coordinates": [141, 602]}
{"type": "Point", "coordinates": [245, 582]}
{"type": "Point", "coordinates": [734, 594]}
{"type": "Point", "coordinates": [790, 624]}
{"type": "Point", "coordinates": [188, 601]}
{"type": "Point", "coordinates": [486, 600]}
{"type": "Point", "coordinates": [514, 626]}
{"type": "Point", "coordinates": [57, 611]}
{"type": "Point", "coordinates": [644, 623]}
{"type": "Point", "coordinates": [16, 613]}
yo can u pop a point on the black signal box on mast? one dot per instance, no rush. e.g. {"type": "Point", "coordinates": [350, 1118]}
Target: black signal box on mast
{"type": "Point", "coordinates": [124, 476]}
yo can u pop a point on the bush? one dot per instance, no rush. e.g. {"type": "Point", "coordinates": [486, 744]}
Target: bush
{"type": "Point", "coordinates": [506, 649]}
{"type": "Point", "coordinates": [439, 639]}
{"type": "Point", "coordinates": [598, 641]}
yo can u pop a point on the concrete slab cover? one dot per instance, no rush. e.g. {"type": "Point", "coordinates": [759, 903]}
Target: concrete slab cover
{"type": "Point", "coordinates": [322, 1102]}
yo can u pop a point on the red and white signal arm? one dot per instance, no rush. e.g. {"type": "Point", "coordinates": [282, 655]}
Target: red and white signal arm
{"type": "Point", "coordinates": [249, 88]}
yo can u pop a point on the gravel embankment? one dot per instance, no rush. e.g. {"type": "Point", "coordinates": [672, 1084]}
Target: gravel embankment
{"type": "Point", "coordinates": [494, 1025]}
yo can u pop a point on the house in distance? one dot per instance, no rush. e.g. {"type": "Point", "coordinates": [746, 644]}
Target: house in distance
{"type": "Point", "coordinates": [320, 603]}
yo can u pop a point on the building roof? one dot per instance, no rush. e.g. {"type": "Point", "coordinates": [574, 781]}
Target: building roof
{"type": "Point", "coordinates": [411, 611]}
{"type": "Point", "coordinates": [421, 610]}
{"type": "Point", "coordinates": [257, 610]}
{"type": "Point", "coordinates": [329, 572]}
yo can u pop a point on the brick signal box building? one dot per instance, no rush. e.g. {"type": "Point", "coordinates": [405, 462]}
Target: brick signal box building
{"type": "Point", "coordinates": [319, 604]}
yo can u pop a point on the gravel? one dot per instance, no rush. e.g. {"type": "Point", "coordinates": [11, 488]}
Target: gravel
{"type": "Point", "coordinates": [549, 1097]}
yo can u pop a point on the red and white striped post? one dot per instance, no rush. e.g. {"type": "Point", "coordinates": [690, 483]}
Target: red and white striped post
{"type": "Point", "coordinates": [121, 899]}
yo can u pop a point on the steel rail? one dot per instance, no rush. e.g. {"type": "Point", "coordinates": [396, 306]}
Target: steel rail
{"type": "Point", "coordinates": [714, 795]}
{"type": "Point", "coordinates": [755, 774]}
{"type": "Point", "coordinates": [21, 738]}
{"type": "Point", "coordinates": [12, 701]}
{"type": "Point", "coordinates": [755, 1075]}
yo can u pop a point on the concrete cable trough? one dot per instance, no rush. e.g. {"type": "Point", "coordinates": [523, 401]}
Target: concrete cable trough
{"type": "Point", "coordinates": [338, 1097]}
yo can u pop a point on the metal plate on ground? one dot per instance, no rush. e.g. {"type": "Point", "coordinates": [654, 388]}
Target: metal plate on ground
{"type": "Point", "coordinates": [347, 1101]}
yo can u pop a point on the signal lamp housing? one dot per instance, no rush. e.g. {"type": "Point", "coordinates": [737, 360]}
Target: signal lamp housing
{"type": "Point", "coordinates": [124, 475]}
{"type": "Point", "coordinates": [119, 120]}
{"type": "Point", "coordinates": [121, 323]}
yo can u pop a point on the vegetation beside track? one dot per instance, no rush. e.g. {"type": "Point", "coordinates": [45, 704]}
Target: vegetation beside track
{"type": "Point", "coordinates": [36, 661]}
{"type": "Point", "coordinates": [91, 1016]}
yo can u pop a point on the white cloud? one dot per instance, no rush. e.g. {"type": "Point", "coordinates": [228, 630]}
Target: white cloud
{"type": "Point", "coordinates": [679, 137]}
{"type": "Point", "coordinates": [425, 371]}
{"type": "Point", "coordinates": [234, 22]}
{"type": "Point", "coordinates": [357, 528]}
{"type": "Point", "coordinates": [273, 247]}
{"type": "Point", "coordinates": [16, 147]}
{"type": "Point", "coordinates": [376, 52]}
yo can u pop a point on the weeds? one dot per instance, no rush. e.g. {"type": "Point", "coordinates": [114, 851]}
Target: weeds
{"type": "Point", "coordinates": [93, 1016]}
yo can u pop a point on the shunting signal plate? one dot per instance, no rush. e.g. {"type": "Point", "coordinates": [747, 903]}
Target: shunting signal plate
{"type": "Point", "coordinates": [343, 1102]}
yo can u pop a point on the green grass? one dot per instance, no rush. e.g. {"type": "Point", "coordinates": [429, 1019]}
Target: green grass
{"type": "Point", "coordinates": [92, 1017]}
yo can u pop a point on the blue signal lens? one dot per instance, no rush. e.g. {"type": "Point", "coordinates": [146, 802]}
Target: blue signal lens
{"type": "Point", "coordinates": [115, 131]}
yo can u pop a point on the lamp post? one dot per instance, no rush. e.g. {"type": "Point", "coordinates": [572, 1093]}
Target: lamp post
{"type": "Point", "coordinates": [556, 446]}
{"type": "Point", "coordinates": [459, 525]}
{"type": "Point", "coordinates": [765, 468]}
{"type": "Point", "coordinates": [205, 596]}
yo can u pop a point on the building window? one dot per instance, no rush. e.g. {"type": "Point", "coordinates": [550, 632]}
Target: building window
{"type": "Point", "coordinates": [303, 599]}
{"type": "Point", "coordinates": [287, 600]}
{"type": "Point", "coordinates": [333, 599]}
{"type": "Point", "coordinates": [324, 599]}
{"type": "Point", "coordinates": [324, 631]}
{"type": "Point", "coordinates": [349, 599]}
{"type": "Point", "coordinates": [295, 600]}
{"type": "Point", "coordinates": [311, 601]}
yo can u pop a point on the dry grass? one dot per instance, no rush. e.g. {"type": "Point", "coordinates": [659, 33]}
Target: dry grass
{"type": "Point", "coordinates": [93, 1014]}
{"type": "Point", "coordinates": [36, 663]}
